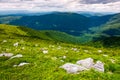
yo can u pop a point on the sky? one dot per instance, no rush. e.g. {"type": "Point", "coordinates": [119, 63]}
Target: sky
{"type": "Point", "coordinates": [60, 5]}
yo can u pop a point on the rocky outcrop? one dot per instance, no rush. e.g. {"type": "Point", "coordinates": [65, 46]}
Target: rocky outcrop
{"type": "Point", "coordinates": [99, 66]}
{"type": "Point", "coordinates": [87, 63]}
{"type": "Point", "coordinates": [81, 65]}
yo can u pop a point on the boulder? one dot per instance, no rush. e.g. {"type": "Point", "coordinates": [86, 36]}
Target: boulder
{"type": "Point", "coordinates": [99, 66]}
{"type": "Point", "coordinates": [72, 68]}
{"type": "Point", "coordinates": [81, 65]}
{"type": "Point", "coordinates": [87, 63]}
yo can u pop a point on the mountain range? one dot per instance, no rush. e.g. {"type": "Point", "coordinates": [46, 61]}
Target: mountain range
{"type": "Point", "coordinates": [86, 26]}
{"type": "Point", "coordinates": [71, 23]}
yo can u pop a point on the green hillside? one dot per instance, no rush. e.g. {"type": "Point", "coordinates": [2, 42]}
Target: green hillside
{"type": "Point", "coordinates": [46, 35]}
{"type": "Point", "coordinates": [42, 65]}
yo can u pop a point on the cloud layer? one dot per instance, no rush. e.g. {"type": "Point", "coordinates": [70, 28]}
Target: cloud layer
{"type": "Point", "coordinates": [61, 5]}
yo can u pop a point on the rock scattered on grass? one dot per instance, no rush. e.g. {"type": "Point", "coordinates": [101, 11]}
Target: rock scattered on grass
{"type": "Point", "coordinates": [99, 66]}
{"type": "Point", "coordinates": [4, 41]}
{"type": "Point", "coordinates": [54, 58]}
{"type": "Point", "coordinates": [17, 56]}
{"type": "Point", "coordinates": [21, 64]}
{"type": "Point", "coordinates": [86, 51]}
{"type": "Point", "coordinates": [36, 45]}
{"type": "Point", "coordinates": [45, 51]}
{"type": "Point", "coordinates": [105, 55]}
{"type": "Point", "coordinates": [100, 51]}
{"type": "Point", "coordinates": [15, 65]}
{"type": "Point", "coordinates": [22, 48]}
{"type": "Point", "coordinates": [51, 46]}
{"type": "Point", "coordinates": [6, 54]}
{"type": "Point", "coordinates": [87, 63]}
{"type": "Point", "coordinates": [61, 60]}
{"type": "Point", "coordinates": [74, 49]}
{"type": "Point", "coordinates": [112, 60]}
{"type": "Point", "coordinates": [81, 65]}
{"type": "Point", "coordinates": [72, 68]}
{"type": "Point", "coordinates": [64, 57]}
{"type": "Point", "coordinates": [16, 44]}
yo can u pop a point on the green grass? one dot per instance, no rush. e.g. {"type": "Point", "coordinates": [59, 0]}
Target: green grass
{"type": "Point", "coordinates": [44, 66]}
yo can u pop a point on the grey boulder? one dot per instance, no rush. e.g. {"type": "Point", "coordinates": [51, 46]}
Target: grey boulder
{"type": "Point", "coordinates": [87, 63]}
{"type": "Point", "coordinates": [72, 68]}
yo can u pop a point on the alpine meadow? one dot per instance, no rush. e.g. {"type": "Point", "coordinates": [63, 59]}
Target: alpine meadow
{"type": "Point", "coordinates": [59, 40]}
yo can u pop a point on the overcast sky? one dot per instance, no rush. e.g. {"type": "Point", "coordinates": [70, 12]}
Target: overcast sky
{"type": "Point", "coordinates": [61, 5]}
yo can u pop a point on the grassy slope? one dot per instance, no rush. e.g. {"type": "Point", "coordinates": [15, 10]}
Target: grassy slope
{"type": "Point", "coordinates": [48, 35]}
{"type": "Point", "coordinates": [52, 35]}
{"type": "Point", "coordinates": [44, 66]}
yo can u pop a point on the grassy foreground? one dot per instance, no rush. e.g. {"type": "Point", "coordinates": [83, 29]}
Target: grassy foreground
{"type": "Point", "coordinates": [46, 66]}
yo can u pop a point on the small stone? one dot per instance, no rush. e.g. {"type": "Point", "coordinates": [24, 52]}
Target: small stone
{"type": "Point", "coordinates": [15, 65]}
{"type": "Point", "coordinates": [61, 60]}
{"type": "Point", "coordinates": [4, 41]}
{"type": "Point", "coordinates": [99, 66]}
{"type": "Point", "coordinates": [87, 63]}
{"type": "Point", "coordinates": [6, 54]}
{"type": "Point", "coordinates": [54, 58]}
{"type": "Point", "coordinates": [36, 45]}
{"type": "Point", "coordinates": [74, 49]}
{"type": "Point", "coordinates": [86, 51]}
{"type": "Point", "coordinates": [17, 56]}
{"type": "Point", "coordinates": [72, 68]}
{"type": "Point", "coordinates": [45, 52]}
{"type": "Point", "coordinates": [64, 57]}
{"type": "Point", "coordinates": [99, 51]}
{"type": "Point", "coordinates": [23, 63]}
{"type": "Point", "coordinates": [16, 44]}
{"type": "Point", "coordinates": [112, 60]}
{"type": "Point", "coordinates": [23, 48]}
{"type": "Point", "coordinates": [7, 49]}
{"type": "Point", "coordinates": [109, 72]}
{"type": "Point", "coordinates": [105, 55]}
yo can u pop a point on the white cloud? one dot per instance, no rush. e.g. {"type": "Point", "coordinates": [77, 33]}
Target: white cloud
{"type": "Point", "coordinates": [58, 5]}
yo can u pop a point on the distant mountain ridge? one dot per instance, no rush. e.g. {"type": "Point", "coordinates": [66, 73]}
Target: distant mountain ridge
{"type": "Point", "coordinates": [71, 23]}
{"type": "Point", "coordinates": [28, 13]}
{"type": "Point", "coordinates": [108, 34]}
